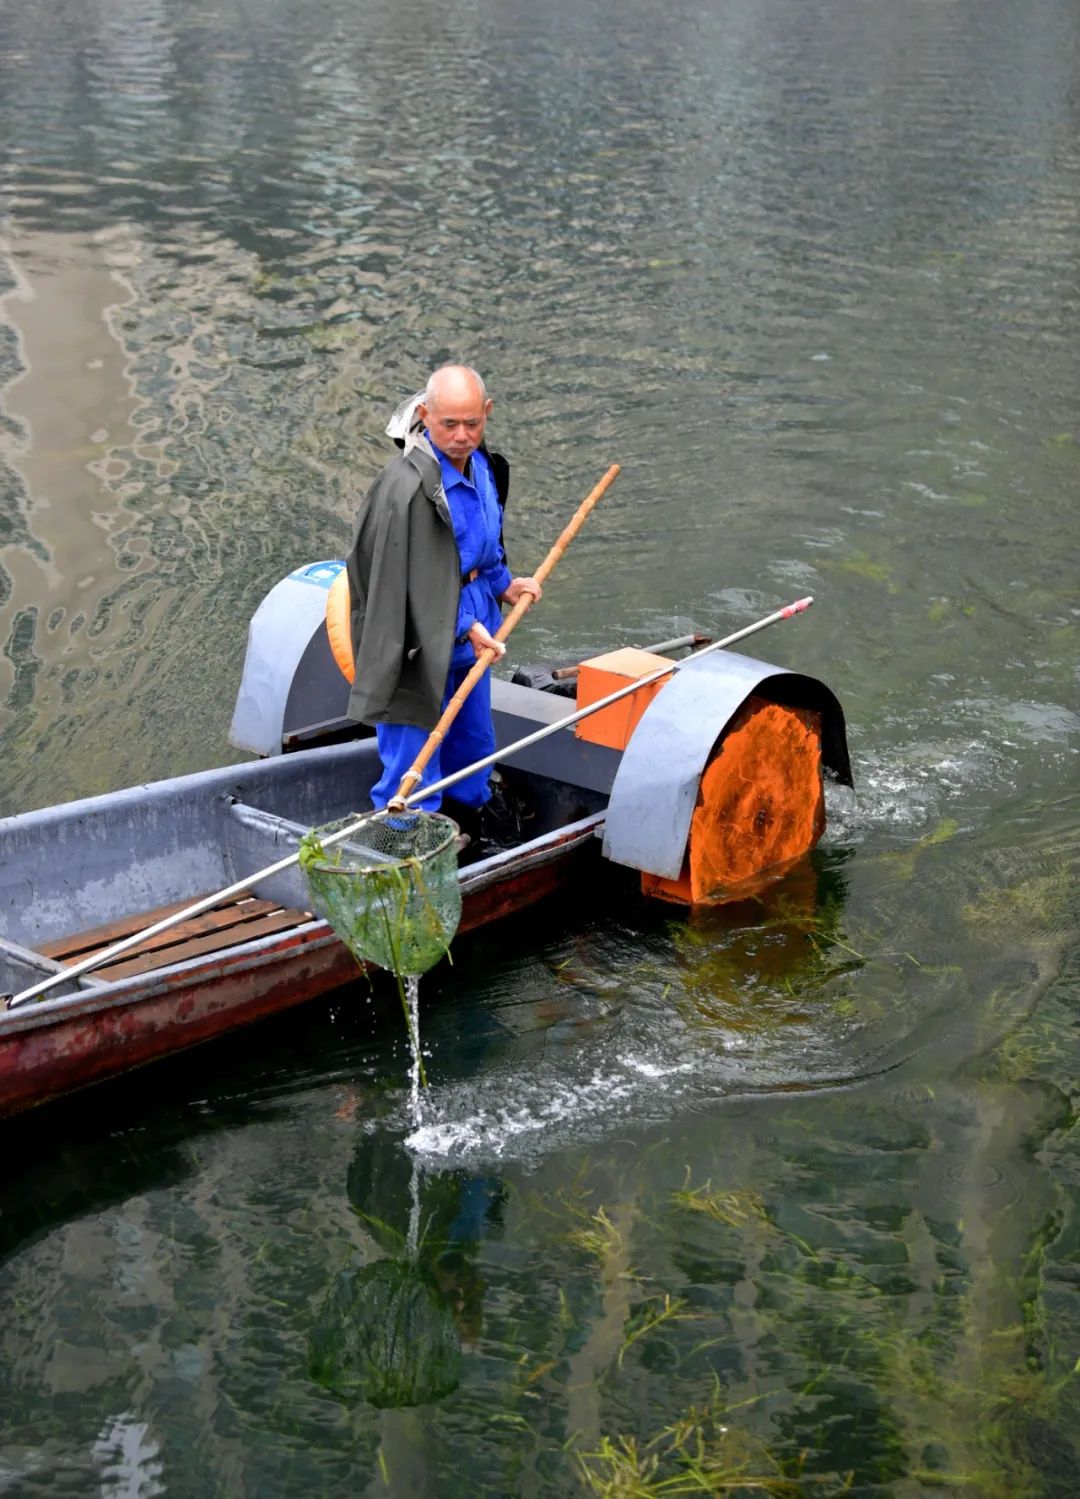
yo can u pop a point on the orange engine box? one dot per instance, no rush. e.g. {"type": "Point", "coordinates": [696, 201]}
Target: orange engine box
{"type": "Point", "coordinates": [605, 674]}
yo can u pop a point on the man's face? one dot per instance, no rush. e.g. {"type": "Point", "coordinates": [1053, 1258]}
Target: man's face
{"type": "Point", "coordinates": [456, 422]}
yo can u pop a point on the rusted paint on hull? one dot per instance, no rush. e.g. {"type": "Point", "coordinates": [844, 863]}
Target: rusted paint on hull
{"type": "Point", "coordinates": [186, 1009]}
{"type": "Point", "coordinates": [38, 1065]}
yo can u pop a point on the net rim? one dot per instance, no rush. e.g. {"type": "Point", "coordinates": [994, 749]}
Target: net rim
{"type": "Point", "coordinates": [453, 832]}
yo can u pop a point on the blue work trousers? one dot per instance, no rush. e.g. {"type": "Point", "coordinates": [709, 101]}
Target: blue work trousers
{"type": "Point", "coordinates": [471, 737]}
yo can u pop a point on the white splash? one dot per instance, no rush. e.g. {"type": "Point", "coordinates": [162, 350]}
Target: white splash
{"type": "Point", "coordinates": [128, 1459]}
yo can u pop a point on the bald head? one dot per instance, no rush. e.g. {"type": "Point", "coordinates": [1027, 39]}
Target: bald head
{"type": "Point", "coordinates": [455, 410]}
{"type": "Point", "coordinates": [454, 382]}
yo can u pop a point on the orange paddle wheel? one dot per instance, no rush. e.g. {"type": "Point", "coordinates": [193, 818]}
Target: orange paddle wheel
{"type": "Point", "coordinates": [760, 806]}
{"type": "Point", "coordinates": [761, 800]}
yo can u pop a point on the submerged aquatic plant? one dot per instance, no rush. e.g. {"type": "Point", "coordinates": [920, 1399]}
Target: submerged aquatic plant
{"type": "Point", "coordinates": [603, 1236]}
{"type": "Point", "coordinates": [704, 1452]}
{"type": "Point", "coordinates": [908, 1337]}
{"type": "Point", "coordinates": [597, 1236]}
{"type": "Point", "coordinates": [734, 1208]}
{"type": "Point", "coordinates": [768, 965]}
{"type": "Point", "coordinates": [650, 1316]}
{"type": "Point", "coordinates": [1042, 903]}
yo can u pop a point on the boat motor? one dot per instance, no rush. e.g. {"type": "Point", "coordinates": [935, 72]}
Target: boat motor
{"type": "Point", "coordinates": [712, 777]}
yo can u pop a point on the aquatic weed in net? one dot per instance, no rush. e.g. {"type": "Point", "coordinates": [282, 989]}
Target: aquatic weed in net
{"type": "Point", "coordinates": [390, 890]}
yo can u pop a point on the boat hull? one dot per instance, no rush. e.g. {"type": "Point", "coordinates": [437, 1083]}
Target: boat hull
{"type": "Point", "coordinates": [52, 1049]}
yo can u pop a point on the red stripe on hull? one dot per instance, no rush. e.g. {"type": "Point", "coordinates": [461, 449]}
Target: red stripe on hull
{"type": "Point", "coordinates": [48, 1061]}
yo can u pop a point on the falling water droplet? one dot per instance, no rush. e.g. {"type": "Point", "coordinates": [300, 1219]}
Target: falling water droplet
{"type": "Point", "coordinates": [412, 991]}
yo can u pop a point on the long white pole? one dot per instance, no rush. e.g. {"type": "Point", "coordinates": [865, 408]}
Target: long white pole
{"type": "Point", "coordinates": [208, 902]}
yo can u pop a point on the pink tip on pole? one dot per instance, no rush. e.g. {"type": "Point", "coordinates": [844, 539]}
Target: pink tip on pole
{"type": "Point", "coordinates": [796, 608]}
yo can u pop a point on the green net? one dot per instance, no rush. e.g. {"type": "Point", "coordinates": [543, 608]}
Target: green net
{"type": "Point", "coordinates": [390, 890]}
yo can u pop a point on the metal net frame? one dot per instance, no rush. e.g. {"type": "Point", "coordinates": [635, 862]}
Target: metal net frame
{"type": "Point", "coordinates": [390, 890]}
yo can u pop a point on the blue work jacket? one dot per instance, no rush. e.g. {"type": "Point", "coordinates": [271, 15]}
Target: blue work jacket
{"type": "Point", "coordinates": [477, 516]}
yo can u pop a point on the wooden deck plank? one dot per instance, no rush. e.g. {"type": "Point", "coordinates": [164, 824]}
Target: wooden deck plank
{"type": "Point", "coordinates": [72, 946]}
{"type": "Point", "coordinates": [142, 962]}
{"type": "Point", "coordinates": [199, 926]}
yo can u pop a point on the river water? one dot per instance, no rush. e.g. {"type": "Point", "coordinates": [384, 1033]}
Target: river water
{"type": "Point", "coordinates": [802, 1176]}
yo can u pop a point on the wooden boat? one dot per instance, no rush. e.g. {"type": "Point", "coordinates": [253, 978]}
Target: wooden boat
{"type": "Point", "coordinates": [76, 878]}
{"type": "Point", "coordinates": [79, 877]}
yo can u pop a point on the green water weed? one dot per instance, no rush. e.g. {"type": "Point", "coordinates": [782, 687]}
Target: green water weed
{"type": "Point", "coordinates": [578, 1224]}
{"type": "Point", "coordinates": [736, 1208]}
{"type": "Point", "coordinates": [649, 1317]}
{"type": "Point", "coordinates": [702, 1452]}
{"type": "Point", "coordinates": [598, 1237]}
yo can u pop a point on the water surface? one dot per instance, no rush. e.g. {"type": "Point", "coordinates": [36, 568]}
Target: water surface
{"type": "Point", "coordinates": [807, 1167]}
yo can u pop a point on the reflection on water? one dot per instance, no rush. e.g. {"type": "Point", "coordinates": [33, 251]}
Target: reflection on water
{"type": "Point", "coordinates": [791, 1185]}
{"type": "Point", "coordinates": [385, 1335]}
{"type": "Point", "coordinates": [871, 1278]}
{"type": "Point", "coordinates": [391, 1329]}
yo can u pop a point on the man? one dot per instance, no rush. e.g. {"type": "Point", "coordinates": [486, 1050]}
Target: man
{"type": "Point", "coordinates": [427, 579]}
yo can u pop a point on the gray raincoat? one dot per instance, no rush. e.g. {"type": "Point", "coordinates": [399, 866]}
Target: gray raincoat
{"type": "Point", "coordinates": [404, 583]}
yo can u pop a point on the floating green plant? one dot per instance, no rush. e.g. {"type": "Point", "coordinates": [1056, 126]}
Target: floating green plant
{"type": "Point", "coordinates": [947, 609]}
{"type": "Point", "coordinates": [907, 860]}
{"type": "Point", "coordinates": [863, 566]}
